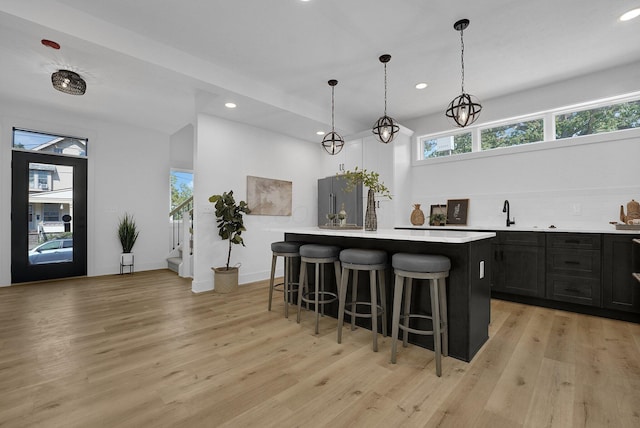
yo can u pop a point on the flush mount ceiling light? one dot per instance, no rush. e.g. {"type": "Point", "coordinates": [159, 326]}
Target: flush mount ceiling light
{"type": "Point", "coordinates": [332, 141]}
{"type": "Point", "coordinates": [230, 105]}
{"type": "Point", "coordinates": [68, 82]}
{"type": "Point", "coordinates": [465, 108]}
{"type": "Point", "coordinates": [385, 127]}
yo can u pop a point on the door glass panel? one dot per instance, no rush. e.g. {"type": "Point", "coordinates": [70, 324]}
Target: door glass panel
{"type": "Point", "coordinates": [50, 213]}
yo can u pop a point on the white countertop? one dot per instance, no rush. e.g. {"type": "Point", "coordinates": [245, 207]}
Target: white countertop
{"type": "Point", "coordinates": [432, 235]}
{"type": "Point", "coordinates": [609, 228]}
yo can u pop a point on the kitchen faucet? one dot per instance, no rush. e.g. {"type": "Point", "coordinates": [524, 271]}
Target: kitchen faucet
{"type": "Point", "coordinates": [505, 209]}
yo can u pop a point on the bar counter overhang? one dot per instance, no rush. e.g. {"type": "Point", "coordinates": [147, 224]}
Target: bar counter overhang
{"type": "Point", "coordinates": [468, 285]}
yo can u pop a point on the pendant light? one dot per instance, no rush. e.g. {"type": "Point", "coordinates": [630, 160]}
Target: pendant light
{"type": "Point", "coordinates": [385, 128]}
{"type": "Point", "coordinates": [332, 142]}
{"type": "Point", "coordinates": [465, 108]}
{"type": "Point", "coordinates": [68, 82]}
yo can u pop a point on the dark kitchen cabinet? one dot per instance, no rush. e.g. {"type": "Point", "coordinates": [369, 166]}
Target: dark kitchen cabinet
{"type": "Point", "coordinates": [518, 263]}
{"type": "Point", "coordinates": [574, 268]}
{"type": "Point", "coordinates": [332, 195]}
{"type": "Point", "coordinates": [620, 290]}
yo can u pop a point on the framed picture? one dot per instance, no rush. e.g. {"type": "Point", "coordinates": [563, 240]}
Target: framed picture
{"type": "Point", "coordinates": [439, 209]}
{"type": "Point", "coordinates": [267, 196]}
{"type": "Point", "coordinates": [457, 210]}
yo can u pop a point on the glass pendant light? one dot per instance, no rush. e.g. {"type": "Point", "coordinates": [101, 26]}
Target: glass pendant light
{"type": "Point", "coordinates": [465, 108]}
{"type": "Point", "coordinates": [332, 142]}
{"type": "Point", "coordinates": [385, 127]}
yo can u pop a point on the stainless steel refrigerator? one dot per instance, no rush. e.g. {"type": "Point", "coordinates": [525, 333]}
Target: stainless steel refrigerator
{"type": "Point", "coordinates": [332, 195]}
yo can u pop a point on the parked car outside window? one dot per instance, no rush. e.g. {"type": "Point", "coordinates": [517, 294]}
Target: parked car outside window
{"type": "Point", "coordinates": [54, 251]}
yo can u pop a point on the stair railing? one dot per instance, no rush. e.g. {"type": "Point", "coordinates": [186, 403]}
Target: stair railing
{"type": "Point", "coordinates": [181, 217]}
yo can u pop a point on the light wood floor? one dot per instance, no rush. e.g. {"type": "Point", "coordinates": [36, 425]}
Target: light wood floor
{"type": "Point", "coordinates": [142, 350]}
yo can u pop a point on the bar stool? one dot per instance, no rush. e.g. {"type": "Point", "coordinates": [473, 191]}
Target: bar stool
{"type": "Point", "coordinates": [319, 255]}
{"type": "Point", "coordinates": [374, 261]}
{"type": "Point", "coordinates": [288, 251]}
{"type": "Point", "coordinates": [434, 268]}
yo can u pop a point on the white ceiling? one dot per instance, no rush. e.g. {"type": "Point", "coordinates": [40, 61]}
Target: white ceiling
{"type": "Point", "coordinates": [156, 63]}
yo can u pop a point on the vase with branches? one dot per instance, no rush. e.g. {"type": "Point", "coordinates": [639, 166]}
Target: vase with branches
{"type": "Point", "coordinates": [371, 180]}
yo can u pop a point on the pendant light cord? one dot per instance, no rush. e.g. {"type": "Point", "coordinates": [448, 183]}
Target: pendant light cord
{"type": "Point", "coordinates": [333, 128]}
{"type": "Point", "coordinates": [462, 57]}
{"type": "Point", "coordinates": [385, 88]}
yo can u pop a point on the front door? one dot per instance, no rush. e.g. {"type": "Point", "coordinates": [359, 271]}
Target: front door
{"type": "Point", "coordinates": [48, 216]}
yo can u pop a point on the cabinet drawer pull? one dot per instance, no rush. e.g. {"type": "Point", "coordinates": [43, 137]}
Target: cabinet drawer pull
{"type": "Point", "coordinates": [571, 262]}
{"type": "Point", "coordinates": [572, 290]}
{"type": "Point", "coordinates": [571, 241]}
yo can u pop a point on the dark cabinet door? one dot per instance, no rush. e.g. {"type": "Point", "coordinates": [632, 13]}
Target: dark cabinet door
{"type": "Point", "coordinates": [518, 269]}
{"type": "Point", "coordinates": [620, 290]}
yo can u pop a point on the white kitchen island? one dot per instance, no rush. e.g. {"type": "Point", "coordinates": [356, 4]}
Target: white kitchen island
{"type": "Point", "coordinates": [468, 285]}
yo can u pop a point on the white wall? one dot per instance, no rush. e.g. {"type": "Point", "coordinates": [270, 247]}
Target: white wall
{"type": "Point", "coordinates": [128, 170]}
{"type": "Point", "coordinates": [226, 152]}
{"type": "Point", "coordinates": [181, 149]}
{"type": "Point", "coordinates": [568, 185]}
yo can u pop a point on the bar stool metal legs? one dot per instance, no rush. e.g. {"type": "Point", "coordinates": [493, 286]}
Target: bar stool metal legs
{"type": "Point", "coordinates": [289, 251]}
{"type": "Point", "coordinates": [319, 255]}
{"type": "Point", "coordinates": [375, 262]}
{"type": "Point", "coordinates": [434, 269]}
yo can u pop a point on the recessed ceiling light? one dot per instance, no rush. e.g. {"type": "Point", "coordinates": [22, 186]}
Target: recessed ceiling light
{"type": "Point", "coordinates": [230, 105]}
{"type": "Point", "coordinates": [628, 16]}
{"type": "Point", "coordinates": [421, 85]}
{"type": "Point", "coordinates": [319, 132]}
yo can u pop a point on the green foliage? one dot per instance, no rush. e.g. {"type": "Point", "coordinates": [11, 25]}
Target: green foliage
{"type": "Point", "coordinates": [229, 216]}
{"type": "Point", "coordinates": [369, 179]}
{"type": "Point", "coordinates": [513, 134]}
{"type": "Point", "coordinates": [603, 119]}
{"type": "Point", "coordinates": [179, 194]}
{"type": "Point", "coordinates": [437, 218]}
{"type": "Point", "coordinates": [127, 232]}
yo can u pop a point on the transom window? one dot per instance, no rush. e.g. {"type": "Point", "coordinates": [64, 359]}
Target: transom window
{"type": "Point", "coordinates": [594, 118]}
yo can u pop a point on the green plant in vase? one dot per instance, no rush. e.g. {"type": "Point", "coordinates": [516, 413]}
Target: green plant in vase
{"type": "Point", "coordinates": [371, 180]}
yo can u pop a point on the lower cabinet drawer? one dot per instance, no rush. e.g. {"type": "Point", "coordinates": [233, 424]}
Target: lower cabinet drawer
{"type": "Point", "coordinates": [585, 263]}
{"type": "Point", "coordinates": [585, 291]}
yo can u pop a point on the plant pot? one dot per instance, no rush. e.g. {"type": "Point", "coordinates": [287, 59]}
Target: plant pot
{"type": "Point", "coordinates": [225, 281]}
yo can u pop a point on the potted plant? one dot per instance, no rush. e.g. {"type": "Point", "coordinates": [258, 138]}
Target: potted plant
{"type": "Point", "coordinates": [230, 222]}
{"type": "Point", "coordinates": [437, 220]}
{"type": "Point", "coordinates": [371, 180]}
{"type": "Point", "coordinates": [128, 234]}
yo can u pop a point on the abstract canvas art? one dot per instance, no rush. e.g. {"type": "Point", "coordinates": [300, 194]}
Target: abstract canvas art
{"type": "Point", "coordinates": [266, 196]}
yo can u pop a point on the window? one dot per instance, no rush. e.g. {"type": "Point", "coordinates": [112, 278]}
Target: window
{"type": "Point", "coordinates": [598, 117]}
{"type": "Point", "coordinates": [602, 119]}
{"type": "Point", "coordinates": [512, 134]}
{"type": "Point", "coordinates": [48, 143]}
{"type": "Point", "coordinates": [181, 187]}
{"type": "Point", "coordinates": [51, 212]}
{"type": "Point", "coordinates": [446, 145]}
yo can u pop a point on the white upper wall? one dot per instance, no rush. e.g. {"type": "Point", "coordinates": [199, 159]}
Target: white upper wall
{"type": "Point", "coordinates": [128, 170]}
{"type": "Point", "coordinates": [226, 153]}
{"type": "Point", "coordinates": [564, 184]}
{"type": "Point", "coordinates": [181, 149]}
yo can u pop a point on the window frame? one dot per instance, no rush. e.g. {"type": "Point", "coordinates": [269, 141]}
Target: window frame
{"type": "Point", "coordinates": [549, 130]}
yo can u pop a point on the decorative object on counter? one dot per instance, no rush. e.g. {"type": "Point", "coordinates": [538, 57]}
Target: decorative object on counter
{"type": "Point", "coordinates": [385, 127]}
{"type": "Point", "coordinates": [128, 235]}
{"type": "Point", "coordinates": [417, 216]}
{"type": "Point", "coordinates": [230, 227]}
{"type": "Point", "coordinates": [342, 216]}
{"type": "Point", "coordinates": [332, 142]}
{"type": "Point", "coordinates": [439, 212]}
{"type": "Point", "coordinates": [457, 210]}
{"type": "Point", "coordinates": [332, 219]}
{"type": "Point", "coordinates": [633, 212]}
{"type": "Point", "coordinates": [371, 180]}
{"type": "Point", "coordinates": [438, 220]}
{"type": "Point", "coordinates": [268, 196]}
{"type": "Point", "coordinates": [465, 108]}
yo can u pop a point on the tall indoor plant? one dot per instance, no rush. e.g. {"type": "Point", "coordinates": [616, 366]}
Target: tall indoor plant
{"type": "Point", "coordinates": [128, 235]}
{"type": "Point", "coordinates": [370, 179]}
{"type": "Point", "coordinates": [230, 222]}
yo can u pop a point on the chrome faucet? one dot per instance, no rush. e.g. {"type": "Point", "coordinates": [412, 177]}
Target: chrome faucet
{"type": "Point", "coordinates": [505, 209]}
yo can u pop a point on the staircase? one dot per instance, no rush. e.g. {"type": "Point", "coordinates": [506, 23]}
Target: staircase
{"type": "Point", "coordinates": [180, 259]}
